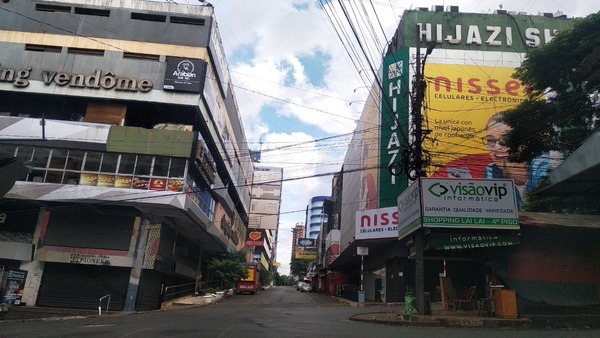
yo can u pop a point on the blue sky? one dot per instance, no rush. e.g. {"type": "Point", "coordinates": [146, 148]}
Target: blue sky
{"type": "Point", "coordinates": [299, 77]}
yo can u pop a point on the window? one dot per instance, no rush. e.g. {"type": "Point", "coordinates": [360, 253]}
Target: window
{"type": "Point", "coordinates": [149, 17]}
{"type": "Point", "coordinates": [58, 159]}
{"type": "Point", "coordinates": [43, 48]}
{"type": "Point", "coordinates": [52, 8]}
{"type": "Point", "coordinates": [92, 161]}
{"type": "Point", "coordinates": [93, 168]}
{"type": "Point", "coordinates": [126, 164]}
{"type": "Point", "coordinates": [75, 159]}
{"type": "Point", "coordinates": [24, 153]}
{"type": "Point", "coordinates": [138, 56]}
{"type": "Point", "coordinates": [109, 162]}
{"type": "Point", "coordinates": [177, 167]}
{"type": "Point", "coordinates": [142, 167]}
{"type": "Point", "coordinates": [161, 166]}
{"type": "Point", "coordinates": [187, 21]}
{"type": "Point", "coordinates": [85, 51]}
{"type": "Point", "coordinates": [40, 157]}
{"type": "Point", "coordinates": [92, 11]}
{"type": "Point", "coordinates": [7, 151]}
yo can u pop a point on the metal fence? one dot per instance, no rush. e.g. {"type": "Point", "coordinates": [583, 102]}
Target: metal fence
{"type": "Point", "coordinates": [182, 290]}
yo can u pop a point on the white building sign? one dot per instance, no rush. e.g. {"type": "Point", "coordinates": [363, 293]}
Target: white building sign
{"type": "Point", "coordinates": [409, 210]}
{"type": "Point", "coordinates": [469, 203]}
{"type": "Point", "coordinates": [376, 223]}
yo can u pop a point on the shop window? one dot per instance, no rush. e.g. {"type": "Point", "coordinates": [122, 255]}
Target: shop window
{"type": "Point", "coordinates": [40, 157]}
{"type": "Point", "coordinates": [177, 168]}
{"type": "Point", "coordinates": [143, 165]}
{"type": "Point", "coordinates": [126, 164]}
{"type": "Point", "coordinates": [161, 166]}
{"type": "Point", "coordinates": [109, 163]}
{"type": "Point", "coordinates": [92, 161]}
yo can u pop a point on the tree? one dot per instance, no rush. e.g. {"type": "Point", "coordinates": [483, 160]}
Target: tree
{"type": "Point", "coordinates": [569, 113]}
{"type": "Point", "coordinates": [229, 270]}
{"type": "Point", "coordinates": [562, 110]}
{"type": "Point", "coordinates": [265, 277]}
{"type": "Point", "coordinates": [298, 267]}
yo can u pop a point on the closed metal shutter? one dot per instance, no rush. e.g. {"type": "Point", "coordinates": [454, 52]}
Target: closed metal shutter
{"type": "Point", "coordinates": [150, 291]}
{"type": "Point", "coordinates": [81, 286]}
{"type": "Point", "coordinates": [394, 285]}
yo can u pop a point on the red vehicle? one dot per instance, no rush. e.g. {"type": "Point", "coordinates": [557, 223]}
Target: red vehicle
{"type": "Point", "coordinates": [251, 283]}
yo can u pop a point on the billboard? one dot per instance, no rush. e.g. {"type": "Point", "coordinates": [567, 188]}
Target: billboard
{"type": "Point", "coordinates": [267, 175]}
{"type": "Point", "coordinates": [409, 210]}
{"type": "Point", "coordinates": [258, 221]}
{"type": "Point", "coordinates": [458, 203]}
{"type": "Point", "coordinates": [255, 238]}
{"type": "Point", "coordinates": [269, 207]}
{"type": "Point", "coordinates": [469, 203]}
{"type": "Point", "coordinates": [482, 32]}
{"type": "Point", "coordinates": [185, 75]}
{"type": "Point", "coordinates": [465, 111]}
{"type": "Point", "coordinates": [376, 223]}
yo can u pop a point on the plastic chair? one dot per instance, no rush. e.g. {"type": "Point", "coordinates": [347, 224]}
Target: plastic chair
{"type": "Point", "coordinates": [468, 299]}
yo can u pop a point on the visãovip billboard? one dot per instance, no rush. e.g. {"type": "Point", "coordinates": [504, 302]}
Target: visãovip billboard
{"type": "Point", "coordinates": [376, 223]}
{"type": "Point", "coordinates": [469, 203]}
{"type": "Point", "coordinates": [458, 203]}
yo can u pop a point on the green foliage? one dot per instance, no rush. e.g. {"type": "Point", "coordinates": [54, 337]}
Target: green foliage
{"type": "Point", "coordinates": [569, 113]}
{"type": "Point", "coordinates": [265, 277]}
{"type": "Point", "coordinates": [228, 270]}
{"type": "Point", "coordinates": [299, 267]}
{"type": "Point", "coordinates": [282, 280]}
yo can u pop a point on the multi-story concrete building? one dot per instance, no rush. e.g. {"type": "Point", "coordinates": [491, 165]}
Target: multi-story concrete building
{"type": "Point", "coordinates": [316, 216]}
{"type": "Point", "coordinates": [139, 173]}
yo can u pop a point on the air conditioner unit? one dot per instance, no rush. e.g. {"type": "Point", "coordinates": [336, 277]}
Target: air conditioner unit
{"type": "Point", "coordinates": [453, 9]}
{"type": "Point", "coordinates": [437, 8]}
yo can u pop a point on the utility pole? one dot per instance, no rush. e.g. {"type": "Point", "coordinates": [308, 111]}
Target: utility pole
{"type": "Point", "coordinates": [418, 164]}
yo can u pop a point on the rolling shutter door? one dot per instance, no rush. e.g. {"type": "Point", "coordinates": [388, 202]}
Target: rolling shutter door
{"type": "Point", "coordinates": [81, 286]}
{"type": "Point", "coordinates": [150, 294]}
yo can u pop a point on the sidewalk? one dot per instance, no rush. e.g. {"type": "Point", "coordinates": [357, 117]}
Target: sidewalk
{"type": "Point", "coordinates": [392, 314]}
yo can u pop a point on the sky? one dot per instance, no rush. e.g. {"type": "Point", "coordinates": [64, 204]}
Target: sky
{"type": "Point", "coordinates": [301, 76]}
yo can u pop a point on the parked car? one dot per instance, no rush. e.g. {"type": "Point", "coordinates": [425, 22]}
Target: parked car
{"type": "Point", "coordinates": [305, 287]}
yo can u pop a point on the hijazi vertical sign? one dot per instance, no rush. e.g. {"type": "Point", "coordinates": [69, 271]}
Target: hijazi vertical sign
{"type": "Point", "coordinates": [394, 126]}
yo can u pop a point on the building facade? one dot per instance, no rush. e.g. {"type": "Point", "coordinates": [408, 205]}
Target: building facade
{"type": "Point", "coordinates": [315, 216]}
{"type": "Point", "coordinates": [467, 62]}
{"type": "Point", "coordinates": [138, 166]}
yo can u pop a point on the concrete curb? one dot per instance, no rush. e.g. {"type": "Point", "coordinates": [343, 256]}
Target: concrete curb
{"type": "Point", "coordinates": [441, 321]}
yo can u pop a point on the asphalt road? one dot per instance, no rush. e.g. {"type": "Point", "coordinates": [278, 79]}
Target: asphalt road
{"type": "Point", "coordinates": [277, 312]}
